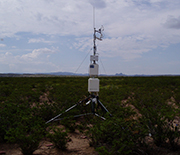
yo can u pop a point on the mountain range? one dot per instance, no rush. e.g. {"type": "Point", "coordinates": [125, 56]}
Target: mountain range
{"type": "Point", "coordinates": [70, 74]}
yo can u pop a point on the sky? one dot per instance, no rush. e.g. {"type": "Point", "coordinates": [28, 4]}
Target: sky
{"type": "Point", "coordinates": [42, 36]}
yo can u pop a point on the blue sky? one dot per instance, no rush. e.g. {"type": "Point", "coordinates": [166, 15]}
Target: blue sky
{"type": "Point", "coordinates": [140, 36]}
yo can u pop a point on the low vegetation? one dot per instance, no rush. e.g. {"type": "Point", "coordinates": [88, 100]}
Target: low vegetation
{"type": "Point", "coordinates": [145, 113]}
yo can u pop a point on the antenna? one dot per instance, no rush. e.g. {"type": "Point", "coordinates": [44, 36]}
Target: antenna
{"type": "Point", "coordinates": [93, 17]}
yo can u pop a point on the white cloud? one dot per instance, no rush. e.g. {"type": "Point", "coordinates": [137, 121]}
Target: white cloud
{"type": "Point", "coordinates": [56, 17]}
{"type": "Point", "coordinates": [39, 40]}
{"type": "Point", "coordinates": [28, 63]}
{"type": "Point", "coordinates": [36, 53]}
{"type": "Point", "coordinates": [136, 27]}
{"type": "Point", "coordinates": [2, 45]}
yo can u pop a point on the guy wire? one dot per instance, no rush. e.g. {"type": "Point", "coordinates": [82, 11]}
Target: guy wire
{"type": "Point", "coordinates": [83, 60]}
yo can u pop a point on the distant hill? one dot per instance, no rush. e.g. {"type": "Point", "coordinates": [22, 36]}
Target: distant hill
{"type": "Point", "coordinates": [41, 74]}
{"type": "Point", "coordinates": [51, 74]}
{"type": "Point", "coordinates": [67, 73]}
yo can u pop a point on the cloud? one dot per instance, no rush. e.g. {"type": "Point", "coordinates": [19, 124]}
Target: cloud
{"type": "Point", "coordinates": [131, 27]}
{"type": "Point", "coordinates": [2, 45]}
{"type": "Point", "coordinates": [83, 43]}
{"type": "Point", "coordinates": [28, 63]}
{"type": "Point", "coordinates": [39, 40]}
{"type": "Point", "coordinates": [172, 22]}
{"type": "Point", "coordinates": [99, 4]}
{"type": "Point", "coordinates": [36, 53]}
{"type": "Point", "coordinates": [47, 17]}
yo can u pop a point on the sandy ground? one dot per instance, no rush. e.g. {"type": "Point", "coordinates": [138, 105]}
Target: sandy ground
{"type": "Point", "coordinates": [79, 145]}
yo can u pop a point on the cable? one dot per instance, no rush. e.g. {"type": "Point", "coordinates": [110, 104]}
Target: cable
{"type": "Point", "coordinates": [83, 61]}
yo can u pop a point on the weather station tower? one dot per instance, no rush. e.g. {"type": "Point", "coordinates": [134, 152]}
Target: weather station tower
{"type": "Point", "coordinates": [93, 81]}
{"type": "Point", "coordinates": [93, 84]}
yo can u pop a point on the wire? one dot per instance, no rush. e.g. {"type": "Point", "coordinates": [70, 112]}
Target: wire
{"type": "Point", "coordinates": [83, 61]}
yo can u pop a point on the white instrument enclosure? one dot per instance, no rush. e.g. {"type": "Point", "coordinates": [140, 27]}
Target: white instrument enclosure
{"type": "Point", "coordinates": [93, 85]}
{"type": "Point", "coordinates": [93, 70]}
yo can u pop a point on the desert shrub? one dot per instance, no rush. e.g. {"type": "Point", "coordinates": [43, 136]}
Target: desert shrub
{"type": "Point", "coordinates": [162, 129]}
{"type": "Point", "coordinates": [157, 116]}
{"type": "Point", "coordinates": [177, 97]}
{"type": "Point", "coordinates": [115, 136]}
{"type": "Point", "coordinates": [173, 135]}
{"type": "Point", "coordinates": [59, 137]}
{"type": "Point", "coordinates": [27, 134]}
{"type": "Point", "coordinates": [69, 124]}
{"type": "Point", "coordinates": [8, 117]}
{"type": "Point", "coordinates": [156, 125]}
{"type": "Point", "coordinates": [45, 110]}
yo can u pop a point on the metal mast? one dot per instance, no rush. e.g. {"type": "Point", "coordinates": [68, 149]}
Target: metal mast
{"type": "Point", "coordinates": [94, 40]}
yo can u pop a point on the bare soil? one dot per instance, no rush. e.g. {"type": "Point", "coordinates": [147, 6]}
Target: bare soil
{"type": "Point", "coordinates": [79, 145]}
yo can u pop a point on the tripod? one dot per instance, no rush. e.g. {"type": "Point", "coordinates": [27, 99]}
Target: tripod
{"type": "Point", "coordinates": [93, 100]}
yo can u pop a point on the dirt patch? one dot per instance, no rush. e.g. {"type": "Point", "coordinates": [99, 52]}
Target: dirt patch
{"type": "Point", "coordinates": [79, 145]}
{"type": "Point", "coordinates": [126, 103]}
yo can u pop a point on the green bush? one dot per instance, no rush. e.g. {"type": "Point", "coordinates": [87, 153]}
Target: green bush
{"type": "Point", "coordinates": [59, 138]}
{"type": "Point", "coordinates": [69, 124]}
{"type": "Point", "coordinates": [173, 135]}
{"type": "Point", "coordinates": [157, 116]}
{"type": "Point", "coordinates": [27, 134]}
{"type": "Point", "coordinates": [115, 136]}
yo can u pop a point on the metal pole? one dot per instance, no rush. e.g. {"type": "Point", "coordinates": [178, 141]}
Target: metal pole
{"type": "Point", "coordinates": [103, 107]}
{"type": "Point", "coordinates": [94, 48]}
{"type": "Point", "coordinates": [60, 114]}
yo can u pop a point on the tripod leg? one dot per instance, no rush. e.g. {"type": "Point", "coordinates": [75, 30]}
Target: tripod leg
{"type": "Point", "coordinates": [59, 119]}
{"type": "Point", "coordinates": [93, 106]}
{"type": "Point", "coordinates": [86, 100]}
{"type": "Point", "coordinates": [103, 107]}
{"type": "Point", "coordinates": [61, 114]}
{"type": "Point", "coordinates": [99, 116]}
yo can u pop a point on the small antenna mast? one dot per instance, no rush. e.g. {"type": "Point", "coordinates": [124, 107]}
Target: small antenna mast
{"type": "Point", "coordinates": [93, 17]}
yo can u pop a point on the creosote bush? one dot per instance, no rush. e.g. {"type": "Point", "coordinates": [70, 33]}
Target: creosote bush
{"type": "Point", "coordinates": [115, 136]}
{"type": "Point", "coordinates": [59, 137]}
{"type": "Point", "coordinates": [69, 124]}
{"type": "Point", "coordinates": [27, 134]}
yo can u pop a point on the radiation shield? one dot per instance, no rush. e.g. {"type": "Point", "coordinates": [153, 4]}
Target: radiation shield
{"type": "Point", "coordinates": [93, 85]}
